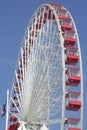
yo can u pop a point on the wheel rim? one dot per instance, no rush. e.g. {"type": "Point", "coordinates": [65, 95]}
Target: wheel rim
{"type": "Point", "coordinates": [42, 91]}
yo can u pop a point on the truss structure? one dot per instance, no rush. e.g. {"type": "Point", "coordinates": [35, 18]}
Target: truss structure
{"type": "Point", "coordinates": [48, 84]}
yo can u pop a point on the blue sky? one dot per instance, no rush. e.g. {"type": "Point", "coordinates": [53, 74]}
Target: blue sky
{"type": "Point", "coordinates": [14, 17]}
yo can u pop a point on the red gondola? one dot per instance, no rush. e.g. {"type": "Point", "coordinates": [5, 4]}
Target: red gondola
{"type": "Point", "coordinates": [73, 105]}
{"type": "Point", "coordinates": [13, 126]}
{"type": "Point", "coordinates": [13, 118]}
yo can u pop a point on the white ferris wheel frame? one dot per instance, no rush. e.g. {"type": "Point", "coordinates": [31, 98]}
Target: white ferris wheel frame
{"type": "Point", "coordinates": [63, 65]}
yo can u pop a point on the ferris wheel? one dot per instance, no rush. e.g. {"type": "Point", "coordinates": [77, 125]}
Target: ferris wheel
{"type": "Point", "coordinates": [47, 88]}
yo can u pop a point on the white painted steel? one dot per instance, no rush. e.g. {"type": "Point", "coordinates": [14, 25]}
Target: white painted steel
{"type": "Point", "coordinates": [42, 94]}
{"type": "Point", "coordinates": [81, 71]}
{"type": "Point", "coordinates": [7, 109]}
